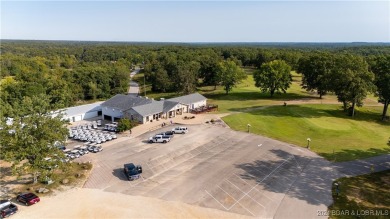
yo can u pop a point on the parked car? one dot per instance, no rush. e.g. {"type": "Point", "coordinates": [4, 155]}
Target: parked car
{"type": "Point", "coordinates": [95, 148]}
{"type": "Point", "coordinates": [108, 137]}
{"type": "Point", "coordinates": [159, 138]}
{"type": "Point", "coordinates": [132, 171]}
{"type": "Point", "coordinates": [180, 130]}
{"type": "Point", "coordinates": [75, 153]}
{"type": "Point", "coordinates": [7, 208]}
{"type": "Point", "coordinates": [167, 133]}
{"type": "Point", "coordinates": [28, 198]}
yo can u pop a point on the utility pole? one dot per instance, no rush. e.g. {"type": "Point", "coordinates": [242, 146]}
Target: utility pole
{"type": "Point", "coordinates": [144, 85]}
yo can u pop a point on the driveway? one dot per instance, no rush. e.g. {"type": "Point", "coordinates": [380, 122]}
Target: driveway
{"type": "Point", "coordinates": [216, 167]}
{"type": "Point", "coordinates": [133, 86]}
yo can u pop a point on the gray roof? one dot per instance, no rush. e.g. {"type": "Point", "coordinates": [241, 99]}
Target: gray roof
{"type": "Point", "coordinates": [77, 110]}
{"type": "Point", "coordinates": [155, 107]}
{"type": "Point", "coordinates": [125, 102]}
{"type": "Point", "coordinates": [188, 99]}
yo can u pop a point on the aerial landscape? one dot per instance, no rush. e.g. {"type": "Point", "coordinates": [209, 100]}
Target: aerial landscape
{"type": "Point", "coordinates": [195, 109]}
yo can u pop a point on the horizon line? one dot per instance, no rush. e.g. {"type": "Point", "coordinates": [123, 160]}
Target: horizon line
{"type": "Point", "coordinates": [200, 42]}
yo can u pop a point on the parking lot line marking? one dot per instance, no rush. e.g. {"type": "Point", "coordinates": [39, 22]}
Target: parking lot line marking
{"type": "Point", "coordinates": [150, 167]}
{"type": "Point", "coordinates": [297, 163]}
{"type": "Point", "coordinates": [258, 184]}
{"type": "Point", "coordinates": [235, 200]}
{"type": "Point", "coordinates": [216, 200]}
{"type": "Point", "coordinates": [245, 182]}
{"type": "Point", "coordinates": [247, 209]}
{"type": "Point", "coordinates": [244, 193]}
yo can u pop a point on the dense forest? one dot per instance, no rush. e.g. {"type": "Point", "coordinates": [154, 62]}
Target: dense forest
{"type": "Point", "coordinates": [74, 72]}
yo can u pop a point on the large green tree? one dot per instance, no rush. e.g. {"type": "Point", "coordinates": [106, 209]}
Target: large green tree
{"type": "Point", "coordinates": [273, 77]}
{"type": "Point", "coordinates": [381, 69]}
{"type": "Point", "coordinates": [229, 75]}
{"type": "Point", "coordinates": [352, 81]}
{"type": "Point", "coordinates": [187, 75]}
{"type": "Point", "coordinates": [28, 142]}
{"type": "Point", "coordinates": [316, 71]}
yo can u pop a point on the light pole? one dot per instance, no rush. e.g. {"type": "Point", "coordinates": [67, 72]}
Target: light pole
{"type": "Point", "coordinates": [308, 142]}
{"type": "Point", "coordinates": [249, 125]}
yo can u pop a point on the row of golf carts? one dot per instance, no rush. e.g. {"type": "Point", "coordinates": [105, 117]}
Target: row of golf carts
{"type": "Point", "coordinates": [92, 136]}
{"type": "Point", "coordinates": [80, 150]}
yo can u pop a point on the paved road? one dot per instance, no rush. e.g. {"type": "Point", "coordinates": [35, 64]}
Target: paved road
{"type": "Point", "coordinates": [133, 86]}
{"type": "Point", "coordinates": [365, 166]}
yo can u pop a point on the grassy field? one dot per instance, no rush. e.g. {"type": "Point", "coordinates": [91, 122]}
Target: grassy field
{"type": "Point", "coordinates": [334, 135]}
{"type": "Point", "coordinates": [246, 96]}
{"type": "Point", "coordinates": [243, 97]}
{"type": "Point", "coordinates": [361, 193]}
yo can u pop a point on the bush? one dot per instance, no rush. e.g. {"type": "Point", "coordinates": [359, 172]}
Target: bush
{"type": "Point", "coordinates": [124, 125]}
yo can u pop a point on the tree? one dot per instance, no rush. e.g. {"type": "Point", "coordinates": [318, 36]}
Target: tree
{"type": "Point", "coordinates": [162, 81]}
{"type": "Point", "coordinates": [31, 138]}
{"type": "Point", "coordinates": [273, 77]}
{"type": "Point", "coordinates": [352, 81]}
{"type": "Point", "coordinates": [230, 74]}
{"type": "Point", "coordinates": [381, 69]}
{"type": "Point", "coordinates": [208, 69]}
{"type": "Point", "coordinates": [187, 76]}
{"type": "Point", "coordinates": [124, 125]}
{"type": "Point", "coordinates": [316, 71]}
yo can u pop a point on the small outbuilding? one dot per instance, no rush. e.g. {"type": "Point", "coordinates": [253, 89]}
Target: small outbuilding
{"type": "Point", "coordinates": [87, 111]}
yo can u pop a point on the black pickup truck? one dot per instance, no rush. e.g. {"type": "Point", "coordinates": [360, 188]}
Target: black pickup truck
{"type": "Point", "coordinates": [7, 208]}
{"type": "Point", "coordinates": [132, 171]}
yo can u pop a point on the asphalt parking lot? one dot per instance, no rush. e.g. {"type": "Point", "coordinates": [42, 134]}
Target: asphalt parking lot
{"type": "Point", "coordinates": [210, 166]}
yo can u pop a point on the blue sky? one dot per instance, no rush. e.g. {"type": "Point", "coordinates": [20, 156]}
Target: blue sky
{"type": "Point", "coordinates": [197, 21]}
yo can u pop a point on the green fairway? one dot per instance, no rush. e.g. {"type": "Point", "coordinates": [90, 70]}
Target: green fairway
{"type": "Point", "coordinates": [334, 135]}
{"type": "Point", "coordinates": [361, 193]}
{"type": "Point", "coordinates": [246, 95]}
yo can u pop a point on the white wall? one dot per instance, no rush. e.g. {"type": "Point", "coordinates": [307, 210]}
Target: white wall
{"type": "Point", "coordinates": [76, 118]}
{"type": "Point", "coordinates": [198, 104]}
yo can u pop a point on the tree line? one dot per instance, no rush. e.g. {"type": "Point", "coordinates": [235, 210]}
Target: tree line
{"type": "Point", "coordinates": [70, 72]}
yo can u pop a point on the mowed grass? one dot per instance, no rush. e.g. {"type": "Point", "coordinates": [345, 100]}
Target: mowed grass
{"type": "Point", "coordinates": [246, 96]}
{"type": "Point", "coordinates": [361, 193]}
{"type": "Point", "coordinates": [334, 135]}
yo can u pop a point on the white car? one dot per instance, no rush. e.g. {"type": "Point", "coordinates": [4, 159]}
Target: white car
{"type": "Point", "coordinates": [159, 138]}
{"type": "Point", "coordinates": [180, 130]}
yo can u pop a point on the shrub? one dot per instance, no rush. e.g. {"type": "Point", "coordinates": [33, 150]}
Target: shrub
{"type": "Point", "coordinates": [124, 124]}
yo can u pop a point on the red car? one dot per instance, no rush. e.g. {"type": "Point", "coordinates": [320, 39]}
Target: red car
{"type": "Point", "coordinates": [27, 198]}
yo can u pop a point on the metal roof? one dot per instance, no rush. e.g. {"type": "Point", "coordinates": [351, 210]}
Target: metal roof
{"type": "Point", "coordinates": [155, 107]}
{"type": "Point", "coordinates": [125, 102]}
{"type": "Point", "coordinates": [77, 110]}
{"type": "Point", "coordinates": [189, 99]}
